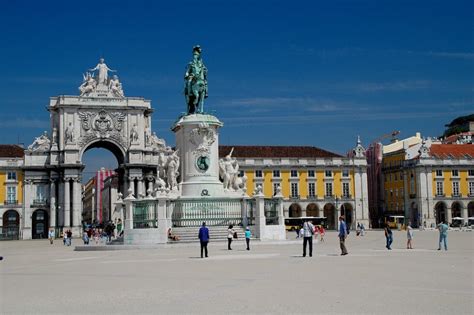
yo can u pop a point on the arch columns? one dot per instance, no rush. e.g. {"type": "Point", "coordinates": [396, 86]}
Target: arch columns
{"type": "Point", "coordinates": [52, 203]}
{"type": "Point", "coordinates": [76, 206]}
{"type": "Point", "coordinates": [67, 203]}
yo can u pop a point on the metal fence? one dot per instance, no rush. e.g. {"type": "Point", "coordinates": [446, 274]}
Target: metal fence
{"type": "Point", "coordinates": [9, 233]}
{"type": "Point", "coordinates": [145, 215]}
{"type": "Point", "coordinates": [215, 212]}
{"type": "Point", "coordinates": [271, 211]}
{"type": "Point", "coordinates": [251, 204]}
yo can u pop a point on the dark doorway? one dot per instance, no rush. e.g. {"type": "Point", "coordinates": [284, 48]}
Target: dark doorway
{"type": "Point", "coordinates": [11, 225]}
{"type": "Point", "coordinates": [40, 224]}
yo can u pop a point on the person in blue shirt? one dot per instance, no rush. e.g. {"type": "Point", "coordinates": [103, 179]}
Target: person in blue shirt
{"type": "Point", "coordinates": [204, 238]}
{"type": "Point", "coordinates": [443, 235]}
{"type": "Point", "coordinates": [342, 235]}
{"type": "Point", "coordinates": [388, 236]}
{"type": "Point", "coordinates": [247, 237]}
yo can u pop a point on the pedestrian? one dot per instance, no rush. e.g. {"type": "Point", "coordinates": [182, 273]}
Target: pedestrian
{"type": "Point", "coordinates": [64, 237]}
{"type": "Point", "coordinates": [443, 235]}
{"type": "Point", "coordinates": [69, 238]}
{"type": "Point", "coordinates": [85, 237]}
{"type": "Point", "coordinates": [362, 229]}
{"type": "Point", "coordinates": [358, 229]}
{"type": "Point", "coordinates": [247, 237]}
{"type": "Point", "coordinates": [51, 235]}
{"type": "Point", "coordinates": [342, 235]}
{"type": "Point", "coordinates": [96, 236]}
{"type": "Point", "coordinates": [409, 235]}
{"type": "Point", "coordinates": [388, 236]}
{"type": "Point", "coordinates": [322, 232]}
{"type": "Point", "coordinates": [203, 238]}
{"type": "Point", "coordinates": [119, 227]}
{"type": "Point", "coordinates": [297, 230]}
{"type": "Point", "coordinates": [301, 231]}
{"type": "Point", "coordinates": [230, 235]}
{"type": "Point", "coordinates": [308, 232]}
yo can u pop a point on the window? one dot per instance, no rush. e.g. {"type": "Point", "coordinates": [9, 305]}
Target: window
{"type": "Point", "coordinates": [276, 173]}
{"type": "Point", "coordinates": [455, 188]}
{"type": "Point", "coordinates": [439, 189]}
{"type": "Point", "coordinates": [294, 173]}
{"type": "Point", "coordinates": [328, 173]}
{"type": "Point", "coordinates": [471, 188]}
{"type": "Point", "coordinates": [310, 173]}
{"type": "Point", "coordinates": [275, 188]}
{"type": "Point", "coordinates": [258, 173]}
{"type": "Point", "coordinates": [470, 172]}
{"type": "Point", "coordinates": [329, 189]}
{"type": "Point", "coordinates": [345, 173]}
{"type": "Point", "coordinates": [11, 194]}
{"type": "Point", "coordinates": [311, 190]}
{"type": "Point", "coordinates": [439, 173]}
{"type": "Point", "coordinates": [241, 173]}
{"type": "Point", "coordinates": [40, 192]}
{"type": "Point", "coordinates": [11, 176]}
{"type": "Point", "coordinates": [395, 175]}
{"type": "Point", "coordinates": [345, 190]}
{"type": "Point", "coordinates": [294, 190]}
{"type": "Point", "coordinates": [455, 173]}
{"type": "Point", "coordinates": [401, 192]}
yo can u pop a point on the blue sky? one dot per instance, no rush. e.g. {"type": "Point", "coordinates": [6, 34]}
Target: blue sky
{"type": "Point", "coordinates": [280, 72]}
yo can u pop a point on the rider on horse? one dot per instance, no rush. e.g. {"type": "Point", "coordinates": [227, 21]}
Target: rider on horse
{"type": "Point", "coordinates": [195, 89]}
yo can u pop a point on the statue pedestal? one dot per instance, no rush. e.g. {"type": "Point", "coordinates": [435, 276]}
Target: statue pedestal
{"type": "Point", "coordinates": [197, 140]}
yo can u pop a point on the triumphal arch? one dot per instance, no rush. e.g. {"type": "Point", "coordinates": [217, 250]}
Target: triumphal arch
{"type": "Point", "coordinates": [100, 116]}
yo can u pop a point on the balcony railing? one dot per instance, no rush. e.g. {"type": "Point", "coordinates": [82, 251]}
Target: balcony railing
{"type": "Point", "coordinates": [295, 197]}
{"type": "Point", "coordinates": [40, 202]}
{"type": "Point", "coordinates": [346, 196]}
{"type": "Point", "coordinates": [328, 196]}
{"type": "Point", "coordinates": [10, 202]}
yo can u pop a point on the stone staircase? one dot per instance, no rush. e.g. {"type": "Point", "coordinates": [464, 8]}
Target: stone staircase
{"type": "Point", "coordinates": [216, 233]}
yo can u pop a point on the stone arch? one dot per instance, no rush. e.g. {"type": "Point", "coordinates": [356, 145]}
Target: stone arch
{"type": "Point", "coordinates": [294, 210]}
{"type": "Point", "coordinates": [39, 223]}
{"type": "Point", "coordinates": [115, 148]}
{"type": "Point", "coordinates": [470, 209]}
{"type": "Point", "coordinates": [348, 212]}
{"type": "Point", "coordinates": [11, 224]}
{"type": "Point", "coordinates": [330, 213]}
{"type": "Point", "coordinates": [312, 210]}
{"type": "Point", "coordinates": [441, 212]}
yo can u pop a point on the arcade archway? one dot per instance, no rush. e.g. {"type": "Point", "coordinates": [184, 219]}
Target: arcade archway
{"type": "Point", "coordinates": [441, 212]}
{"type": "Point", "coordinates": [470, 209]}
{"type": "Point", "coordinates": [312, 210]}
{"type": "Point", "coordinates": [294, 211]}
{"type": "Point", "coordinates": [330, 213]}
{"type": "Point", "coordinates": [348, 212]}
{"type": "Point", "coordinates": [456, 210]}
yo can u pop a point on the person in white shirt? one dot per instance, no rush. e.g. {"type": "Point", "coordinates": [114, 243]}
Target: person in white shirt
{"type": "Point", "coordinates": [308, 232]}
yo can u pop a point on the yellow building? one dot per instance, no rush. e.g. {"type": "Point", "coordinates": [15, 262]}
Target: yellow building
{"type": "Point", "coordinates": [313, 182]}
{"type": "Point", "coordinates": [429, 182]}
{"type": "Point", "coordinates": [11, 190]}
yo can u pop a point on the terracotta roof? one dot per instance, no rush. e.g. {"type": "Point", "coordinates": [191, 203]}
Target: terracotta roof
{"type": "Point", "coordinates": [276, 152]}
{"type": "Point", "coordinates": [453, 151]}
{"type": "Point", "coordinates": [11, 151]}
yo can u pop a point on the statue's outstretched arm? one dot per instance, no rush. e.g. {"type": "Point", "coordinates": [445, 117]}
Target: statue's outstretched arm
{"type": "Point", "coordinates": [110, 69]}
{"type": "Point", "coordinates": [96, 68]}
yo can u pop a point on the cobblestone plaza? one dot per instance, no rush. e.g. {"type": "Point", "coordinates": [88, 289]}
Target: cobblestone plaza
{"type": "Point", "coordinates": [271, 278]}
